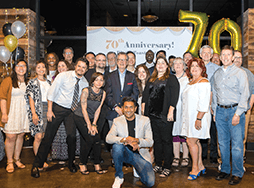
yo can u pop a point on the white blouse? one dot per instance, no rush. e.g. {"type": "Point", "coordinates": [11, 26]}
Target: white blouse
{"type": "Point", "coordinates": [196, 98]}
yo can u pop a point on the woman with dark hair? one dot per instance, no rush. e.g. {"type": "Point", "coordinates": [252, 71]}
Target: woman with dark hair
{"type": "Point", "coordinates": [59, 144]}
{"type": "Point", "coordinates": [14, 114]}
{"type": "Point", "coordinates": [142, 74]}
{"type": "Point", "coordinates": [196, 117]}
{"type": "Point", "coordinates": [51, 59]}
{"type": "Point", "coordinates": [62, 66]}
{"type": "Point", "coordinates": [37, 106]}
{"type": "Point", "coordinates": [86, 116]}
{"type": "Point", "coordinates": [159, 102]}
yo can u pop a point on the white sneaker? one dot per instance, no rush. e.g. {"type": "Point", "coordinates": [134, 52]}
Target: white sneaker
{"type": "Point", "coordinates": [135, 174]}
{"type": "Point", "coordinates": [118, 182]}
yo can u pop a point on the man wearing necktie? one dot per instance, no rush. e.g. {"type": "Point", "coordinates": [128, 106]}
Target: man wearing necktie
{"type": "Point", "coordinates": [63, 97]}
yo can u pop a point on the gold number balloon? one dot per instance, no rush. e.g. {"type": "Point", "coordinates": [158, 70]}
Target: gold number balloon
{"type": "Point", "coordinates": [10, 42]}
{"type": "Point", "coordinates": [200, 20]}
{"type": "Point", "coordinates": [225, 25]}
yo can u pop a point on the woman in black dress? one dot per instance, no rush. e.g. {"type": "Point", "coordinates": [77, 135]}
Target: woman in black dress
{"type": "Point", "coordinates": [86, 117]}
{"type": "Point", "coordinates": [159, 101]}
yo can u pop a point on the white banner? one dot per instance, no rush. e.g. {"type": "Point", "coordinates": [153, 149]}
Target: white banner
{"type": "Point", "coordinates": [174, 40]}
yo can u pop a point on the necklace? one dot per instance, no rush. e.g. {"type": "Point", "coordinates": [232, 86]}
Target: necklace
{"type": "Point", "coordinates": [180, 76]}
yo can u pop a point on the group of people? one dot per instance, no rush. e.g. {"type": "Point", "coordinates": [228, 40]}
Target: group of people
{"type": "Point", "coordinates": [150, 109]}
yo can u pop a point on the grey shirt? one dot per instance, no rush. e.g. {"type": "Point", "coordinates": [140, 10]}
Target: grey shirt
{"type": "Point", "coordinates": [230, 86]}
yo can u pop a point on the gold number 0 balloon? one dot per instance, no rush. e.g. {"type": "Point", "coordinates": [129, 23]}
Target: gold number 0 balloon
{"type": "Point", "coordinates": [200, 20]}
{"type": "Point", "coordinates": [225, 25]}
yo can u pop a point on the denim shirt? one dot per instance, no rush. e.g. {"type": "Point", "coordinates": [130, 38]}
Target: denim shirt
{"type": "Point", "coordinates": [210, 69]}
{"type": "Point", "coordinates": [230, 86]}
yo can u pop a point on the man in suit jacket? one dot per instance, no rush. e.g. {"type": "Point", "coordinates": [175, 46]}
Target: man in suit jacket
{"type": "Point", "coordinates": [120, 83]}
{"type": "Point", "coordinates": [131, 136]}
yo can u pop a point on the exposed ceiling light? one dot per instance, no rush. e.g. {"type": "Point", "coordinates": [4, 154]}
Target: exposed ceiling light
{"type": "Point", "coordinates": [150, 16]}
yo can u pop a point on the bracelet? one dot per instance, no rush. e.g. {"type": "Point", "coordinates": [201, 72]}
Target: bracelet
{"type": "Point", "coordinates": [199, 119]}
{"type": "Point", "coordinates": [94, 125]}
{"type": "Point", "coordinates": [124, 139]}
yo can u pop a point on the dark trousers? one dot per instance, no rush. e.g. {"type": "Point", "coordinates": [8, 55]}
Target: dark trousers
{"type": "Point", "coordinates": [87, 142]}
{"type": "Point", "coordinates": [213, 142]}
{"type": "Point", "coordinates": [61, 114]}
{"type": "Point", "coordinates": [163, 142]}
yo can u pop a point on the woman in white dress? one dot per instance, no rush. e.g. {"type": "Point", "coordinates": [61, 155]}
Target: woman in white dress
{"type": "Point", "coordinates": [196, 117]}
{"type": "Point", "coordinates": [14, 114]}
{"type": "Point", "coordinates": [179, 68]}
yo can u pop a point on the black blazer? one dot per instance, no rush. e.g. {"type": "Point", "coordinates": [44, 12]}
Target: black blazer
{"type": "Point", "coordinates": [114, 93]}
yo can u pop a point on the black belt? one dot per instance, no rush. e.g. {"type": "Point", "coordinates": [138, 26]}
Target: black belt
{"type": "Point", "coordinates": [228, 106]}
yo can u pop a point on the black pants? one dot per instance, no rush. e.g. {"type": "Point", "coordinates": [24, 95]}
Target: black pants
{"type": "Point", "coordinates": [61, 114]}
{"type": "Point", "coordinates": [213, 142]}
{"type": "Point", "coordinates": [163, 142]}
{"type": "Point", "coordinates": [87, 142]}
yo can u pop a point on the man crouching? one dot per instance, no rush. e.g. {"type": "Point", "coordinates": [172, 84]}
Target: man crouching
{"type": "Point", "coordinates": [131, 136]}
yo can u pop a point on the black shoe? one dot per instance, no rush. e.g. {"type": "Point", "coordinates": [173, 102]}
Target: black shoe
{"type": "Point", "coordinates": [35, 172]}
{"type": "Point", "coordinates": [72, 167]}
{"type": "Point", "coordinates": [213, 160]}
{"type": "Point", "coordinates": [234, 180]}
{"type": "Point", "coordinates": [222, 176]}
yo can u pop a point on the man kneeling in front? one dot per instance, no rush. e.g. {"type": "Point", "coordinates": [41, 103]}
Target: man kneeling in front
{"type": "Point", "coordinates": [131, 136]}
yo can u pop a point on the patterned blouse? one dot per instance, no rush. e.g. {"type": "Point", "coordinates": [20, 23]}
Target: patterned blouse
{"type": "Point", "coordinates": [33, 90]}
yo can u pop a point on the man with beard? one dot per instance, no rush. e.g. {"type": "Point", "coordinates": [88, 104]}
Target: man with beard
{"type": "Point", "coordinates": [90, 56]}
{"type": "Point", "coordinates": [149, 61]}
{"type": "Point", "coordinates": [131, 136]}
{"type": "Point", "coordinates": [63, 98]}
{"type": "Point", "coordinates": [238, 62]}
{"type": "Point", "coordinates": [51, 59]}
{"type": "Point", "coordinates": [100, 66]}
{"type": "Point", "coordinates": [111, 57]}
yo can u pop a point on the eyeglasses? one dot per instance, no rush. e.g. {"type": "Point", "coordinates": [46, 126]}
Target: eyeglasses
{"type": "Point", "coordinates": [236, 57]}
{"type": "Point", "coordinates": [124, 60]}
{"type": "Point", "coordinates": [68, 53]}
{"type": "Point", "coordinates": [103, 60]}
{"type": "Point", "coordinates": [110, 59]}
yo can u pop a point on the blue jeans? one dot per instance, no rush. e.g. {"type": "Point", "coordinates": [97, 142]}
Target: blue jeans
{"type": "Point", "coordinates": [228, 133]}
{"type": "Point", "coordinates": [144, 168]}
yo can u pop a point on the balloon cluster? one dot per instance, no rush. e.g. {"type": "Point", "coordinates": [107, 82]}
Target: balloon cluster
{"type": "Point", "coordinates": [12, 33]}
{"type": "Point", "coordinates": [200, 21]}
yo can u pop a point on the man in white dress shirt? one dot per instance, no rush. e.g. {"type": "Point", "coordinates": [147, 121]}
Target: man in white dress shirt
{"type": "Point", "coordinates": [60, 99]}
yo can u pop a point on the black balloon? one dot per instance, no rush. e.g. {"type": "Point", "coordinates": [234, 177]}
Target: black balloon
{"type": "Point", "coordinates": [18, 53]}
{"type": "Point", "coordinates": [7, 29]}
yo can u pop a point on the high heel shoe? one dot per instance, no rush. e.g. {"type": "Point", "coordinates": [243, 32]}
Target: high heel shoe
{"type": "Point", "coordinates": [19, 164]}
{"type": "Point", "coordinates": [100, 171]}
{"type": "Point", "coordinates": [10, 167]}
{"type": "Point", "coordinates": [193, 176]}
{"type": "Point", "coordinates": [85, 172]}
{"type": "Point", "coordinates": [202, 171]}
